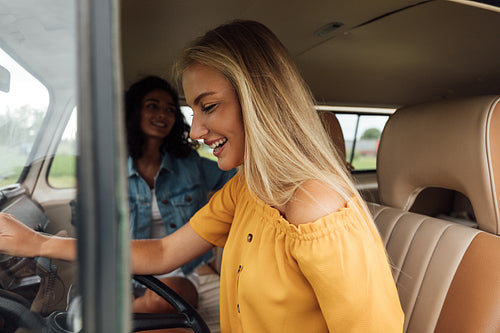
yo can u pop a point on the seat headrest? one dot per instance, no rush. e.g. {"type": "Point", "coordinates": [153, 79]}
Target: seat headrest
{"type": "Point", "coordinates": [452, 144]}
{"type": "Point", "coordinates": [334, 131]}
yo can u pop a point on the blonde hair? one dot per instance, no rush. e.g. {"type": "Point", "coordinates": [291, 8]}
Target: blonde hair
{"type": "Point", "coordinates": [285, 142]}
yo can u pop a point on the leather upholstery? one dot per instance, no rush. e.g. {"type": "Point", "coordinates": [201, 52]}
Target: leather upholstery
{"type": "Point", "coordinates": [447, 274]}
{"type": "Point", "coordinates": [424, 253]}
{"type": "Point", "coordinates": [473, 300]}
{"type": "Point", "coordinates": [452, 144]}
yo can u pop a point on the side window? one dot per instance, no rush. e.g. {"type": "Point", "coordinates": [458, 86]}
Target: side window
{"type": "Point", "coordinates": [361, 131]}
{"type": "Point", "coordinates": [62, 173]}
{"type": "Point", "coordinates": [362, 136]}
{"type": "Point", "coordinates": [203, 150]}
{"type": "Point", "coordinates": [21, 116]}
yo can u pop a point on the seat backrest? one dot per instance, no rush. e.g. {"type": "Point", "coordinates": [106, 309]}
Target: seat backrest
{"type": "Point", "coordinates": [334, 131]}
{"type": "Point", "coordinates": [447, 274]}
{"type": "Point", "coordinates": [452, 144]}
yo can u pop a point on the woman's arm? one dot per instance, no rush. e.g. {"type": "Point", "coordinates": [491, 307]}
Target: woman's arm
{"type": "Point", "coordinates": [18, 240]}
{"type": "Point", "coordinates": [159, 256]}
{"type": "Point", "coordinates": [152, 256]}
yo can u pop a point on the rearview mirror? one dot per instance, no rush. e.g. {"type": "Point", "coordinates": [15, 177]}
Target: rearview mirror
{"type": "Point", "coordinates": [4, 79]}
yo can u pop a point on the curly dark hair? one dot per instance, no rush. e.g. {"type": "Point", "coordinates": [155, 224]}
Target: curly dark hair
{"type": "Point", "coordinates": [177, 142]}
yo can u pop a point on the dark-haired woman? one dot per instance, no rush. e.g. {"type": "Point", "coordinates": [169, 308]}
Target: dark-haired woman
{"type": "Point", "coordinates": [168, 180]}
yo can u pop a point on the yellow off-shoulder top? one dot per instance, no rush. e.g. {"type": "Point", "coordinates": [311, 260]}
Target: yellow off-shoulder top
{"type": "Point", "coordinates": [331, 275]}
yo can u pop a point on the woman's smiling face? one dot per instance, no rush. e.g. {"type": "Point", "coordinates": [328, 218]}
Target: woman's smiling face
{"type": "Point", "coordinates": [157, 114]}
{"type": "Point", "coordinates": [217, 117]}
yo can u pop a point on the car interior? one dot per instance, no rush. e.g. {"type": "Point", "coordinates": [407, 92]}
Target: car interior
{"type": "Point", "coordinates": [434, 192]}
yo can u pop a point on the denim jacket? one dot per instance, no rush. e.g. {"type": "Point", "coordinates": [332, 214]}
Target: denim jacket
{"type": "Point", "coordinates": [181, 187]}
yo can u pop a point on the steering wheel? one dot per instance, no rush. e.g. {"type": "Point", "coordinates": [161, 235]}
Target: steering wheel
{"type": "Point", "coordinates": [15, 311]}
{"type": "Point", "coordinates": [187, 316]}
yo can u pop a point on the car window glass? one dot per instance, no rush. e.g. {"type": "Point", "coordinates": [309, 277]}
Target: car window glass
{"type": "Point", "coordinates": [21, 116]}
{"type": "Point", "coordinates": [203, 150]}
{"type": "Point", "coordinates": [38, 94]}
{"type": "Point", "coordinates": [362, 137]}
{"type": "Point", "coordinates": [361, 134]}
{"type": "Point", "coordinates": [62, 173]}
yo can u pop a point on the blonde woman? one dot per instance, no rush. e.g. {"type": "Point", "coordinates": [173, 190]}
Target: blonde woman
{"type": "Point", "coordinates": [301, 253]}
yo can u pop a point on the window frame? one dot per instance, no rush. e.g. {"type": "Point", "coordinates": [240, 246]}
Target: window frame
{"type": "Point", "coordinates": [102, 209]}
{"type": "Point", "coordinates": [358, 111]}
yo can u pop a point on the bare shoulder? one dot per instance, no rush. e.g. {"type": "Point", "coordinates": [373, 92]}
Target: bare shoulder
{"type": "Point", "coordinates": [311, 201]}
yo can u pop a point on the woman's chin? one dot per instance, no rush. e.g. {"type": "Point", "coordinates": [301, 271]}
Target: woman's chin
{"type": "Point", "coordinates": [222, 165]}
{"type": "Point", "coordinates": [226, 165]}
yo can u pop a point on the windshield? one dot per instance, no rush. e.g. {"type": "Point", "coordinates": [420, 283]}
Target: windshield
{"type": "Point", "coordinates": [22, 108]}
{"type": "Point", "coordinates": [38, 138]}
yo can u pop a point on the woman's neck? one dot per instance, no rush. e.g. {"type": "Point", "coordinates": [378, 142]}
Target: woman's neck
{"type": "Point", "coordinates": [149, 163]}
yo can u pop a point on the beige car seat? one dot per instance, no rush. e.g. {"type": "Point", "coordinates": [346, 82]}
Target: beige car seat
{"type": "Point", "coordinates": [447, 274]}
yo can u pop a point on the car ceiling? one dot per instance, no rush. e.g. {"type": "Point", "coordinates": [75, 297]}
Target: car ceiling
{"type": "Point", "coordinates": [385, 53]}
{"type": "Point", "coordinates": [40, 36]}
